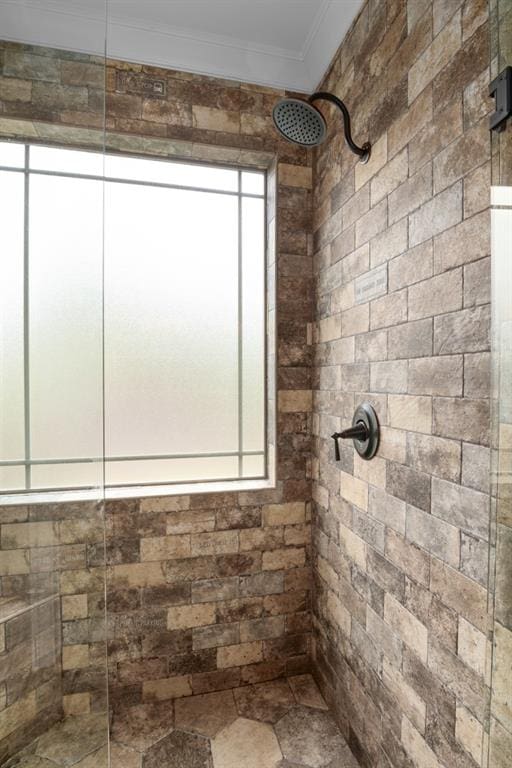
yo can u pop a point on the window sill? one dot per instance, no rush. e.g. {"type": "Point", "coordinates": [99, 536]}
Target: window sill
{"type": "Point", "coordinates": [138, 492]}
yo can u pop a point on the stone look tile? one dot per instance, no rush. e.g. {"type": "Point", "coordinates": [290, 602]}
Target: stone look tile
{"type": "Point", "coordinates": [206, 714]}
{"type": "Point", "coordinates": [436, 215]}
{"type": "Point", "coordinates": [267, 702]}
{"type": "Point", "coordinates": [143, 725]}
{"type": "Point", "coordinates": [73, 739]}
{"type": "Point", "coordinates": [33, 761]}
{"type": "Point", "coordinates": [306, 692]}
{"type": "Point", "coordinates": [123, 757]}
{"type": "Point", "coordinates": [248, 743]}
{"type": "Point", "coordinates": [181, 750]}
{"type": "Point", "coordinates": [309, 737]}
{"type": "Point", "coordinates": [428, 221]}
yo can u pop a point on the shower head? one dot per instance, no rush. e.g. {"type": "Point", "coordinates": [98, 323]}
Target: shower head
{"type": "Point", "coordinates": [299, 122]}
{"type": "Point", "coordinates": [302, 123]}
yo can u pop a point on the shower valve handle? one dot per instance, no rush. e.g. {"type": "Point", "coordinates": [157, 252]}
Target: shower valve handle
{"type": "Point", "coordinates": [364, 432]}
{"type": "Point", "coordinates": [358, 432]}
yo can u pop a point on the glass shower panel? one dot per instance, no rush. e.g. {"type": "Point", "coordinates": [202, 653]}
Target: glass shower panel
{"type": "Point", "coordinates": [53, 692]}
{"type": "Point", "coordinates": [499, 753]}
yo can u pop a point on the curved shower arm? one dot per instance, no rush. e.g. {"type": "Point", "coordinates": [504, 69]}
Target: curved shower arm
{"type": "Point", "coordinates": [364, 151]}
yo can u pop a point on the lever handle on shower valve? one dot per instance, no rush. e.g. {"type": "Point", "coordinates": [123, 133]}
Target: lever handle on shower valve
{"type": "Point", "coordinates": [358, 432]}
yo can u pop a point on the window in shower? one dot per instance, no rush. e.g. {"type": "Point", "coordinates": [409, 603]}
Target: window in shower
{"type": "Point", "coordinates": [168, 258]}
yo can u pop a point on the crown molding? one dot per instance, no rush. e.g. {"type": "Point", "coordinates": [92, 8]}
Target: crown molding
{"type": "Point", "coordinates": [45, 23]}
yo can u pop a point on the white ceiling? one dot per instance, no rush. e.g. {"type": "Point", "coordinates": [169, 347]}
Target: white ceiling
{"type": "Point", "coordinates": [282, 43]}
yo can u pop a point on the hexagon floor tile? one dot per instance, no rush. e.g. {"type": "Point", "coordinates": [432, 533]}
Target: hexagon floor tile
{"type": "Point", "coordinates": [267, 702]}
{"type": "Point", "coordinates": [206, 714]}
{"type": "Point", "coordinates": [279, 724]}
{"type": "Point", "coordinates": [311, 737]}
{"type": "Point", "coordinates": [248, 743]}
{"type": "Point", "coordinates": [143, 725]}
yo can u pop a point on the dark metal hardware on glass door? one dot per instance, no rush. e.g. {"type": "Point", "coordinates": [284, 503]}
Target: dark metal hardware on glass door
{"type": "Point", "coordinates": [364, 432]}
{"type": "Point", "coordinates": [501, 89]}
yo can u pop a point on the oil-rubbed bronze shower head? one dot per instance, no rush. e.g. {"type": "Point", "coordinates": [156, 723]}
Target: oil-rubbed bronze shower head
{"type": "Point", "coordinates": [302, 123]}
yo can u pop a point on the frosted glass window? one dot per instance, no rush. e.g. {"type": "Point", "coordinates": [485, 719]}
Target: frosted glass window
{"type": "Point", "coordinates": [65, 317]}
{"type": "Point", "coordinates": [132, 321]}
{"type": "Point", "coordinates": [58, 160]}
{"type": "Point", "coordinates": [12, 425]}
{"type": "Point", "coordinates": [12, 155]}
{"type": "Point", "coordinates": [253, 183]}
{"type": "Point", "coordinates": [169, 172]}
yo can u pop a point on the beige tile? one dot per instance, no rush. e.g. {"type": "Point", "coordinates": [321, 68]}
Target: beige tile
{"type": "Point", "coordinates": [167, 688]}
{"type": "Point", "coordinates": [164, 548]}
{"type": "Point", "coordinates": [291, 401]}
{"type": "Point", "coordinates": [472, 646]}
{"type": "Point", "coordinates": [378, 158]}
{"type": "Point", "coordinates": [416, 747]}
{"type": "Point", "coordinates": [18, 714]}
{"type": "Point", "coordinates": [75, 656]}
{"type": "Point", "coordinates": [353, 545]}
{"type": "Point", "coordinates": [410, 702]}
{"type": "Point", "coordinates": [354, 490]}
{"type": "Point", "coordinates": [210, 119]}
{"type": "Point", "coordinates": [406, 625]}
{"type": "Point", "coordinates": [306, 692]}
{"type": "Point", "coordinates": [74, 607]}
{"type": "Point", "coordinates": [246, 743]}
{"type": "Point", "coordinates": [469, 732]}
{"type": "Point", "coordinates": [206, 714]}
{"type": "Point", "coordinates": [410, 412]}
{"type": "Point", "coordinates": [295, 176]}
{"type": "Point", "coordinates": [292, 513]}
{"type": "Point", "coordinates": [21, 535]}
{"type": "Point", "coordinates": [188, 616]}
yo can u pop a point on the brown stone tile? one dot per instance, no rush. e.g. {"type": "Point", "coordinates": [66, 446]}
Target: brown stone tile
{"type": "Point", "coordinates": [306, 692]}
{"type": "Point", "coordinates": [73, 739]}
{"type": "Point", "coordinates": [266, 702]}
{"type": "Point", "coordinates": [206, 714]}
{"type": "Point", "coordinates": [311, 737]}
{"type": "Point", "coordinates": [143, 725]}
{"type": "Point", "coordinates": [179, 749]}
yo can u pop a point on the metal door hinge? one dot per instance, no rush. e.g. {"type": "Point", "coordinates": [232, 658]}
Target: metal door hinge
{"type": "Point", "coordinates": [501, 89]}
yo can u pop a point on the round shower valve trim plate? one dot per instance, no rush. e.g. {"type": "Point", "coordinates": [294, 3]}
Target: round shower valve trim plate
{"type": "Point", "coordinates": [364, 432]}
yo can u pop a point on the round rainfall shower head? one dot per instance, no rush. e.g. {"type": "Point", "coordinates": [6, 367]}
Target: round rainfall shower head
{"type": "Point", "coordinates": [299, 122]}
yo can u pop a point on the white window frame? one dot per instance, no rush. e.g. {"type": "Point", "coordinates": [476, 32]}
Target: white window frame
{"type": "Point", "coordinates": [266, 481]}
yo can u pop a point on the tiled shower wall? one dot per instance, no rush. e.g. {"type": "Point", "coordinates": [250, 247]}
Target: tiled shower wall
{"type": "Point", "coordinates": [204, 591]}
{"type": "Point", "coordinates": [402, 268]}
{"type": "Point", "coordinates": [208, 591]}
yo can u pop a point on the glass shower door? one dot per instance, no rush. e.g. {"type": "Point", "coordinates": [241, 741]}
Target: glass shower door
{"type": "Point", "coordinates": [499, 752]}
{"type": "Point", "coordinates": [53, 682]}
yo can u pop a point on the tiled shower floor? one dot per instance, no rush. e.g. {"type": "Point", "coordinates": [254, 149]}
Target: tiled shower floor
{"type": "Point", "coordinates": [280, 724]}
